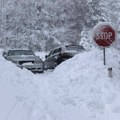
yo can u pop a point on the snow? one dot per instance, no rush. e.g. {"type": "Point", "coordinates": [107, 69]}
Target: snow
{"type": "Point", "coordinates": [41, 55]}
{"type": "Point", "coordinates": [79, 88]}
{"type": "Point", "coordinates": [10, 108]}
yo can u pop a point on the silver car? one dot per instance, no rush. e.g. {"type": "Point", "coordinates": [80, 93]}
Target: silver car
{"type": "Point", "coordinates": [25, 58]}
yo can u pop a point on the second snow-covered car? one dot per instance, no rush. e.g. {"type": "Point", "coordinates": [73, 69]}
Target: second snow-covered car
{"type": "Point", "coordinates": [25, 58]}
{"type": "Point", "coordinates": [60, 54]}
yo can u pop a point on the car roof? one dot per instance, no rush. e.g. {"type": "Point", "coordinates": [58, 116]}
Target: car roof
{"type": "Point", "coordinates": [80, 46]}
{"type": "Point", "coordinates": [16, 49]}
{"type": "Point", "coordinates": [65, 46]}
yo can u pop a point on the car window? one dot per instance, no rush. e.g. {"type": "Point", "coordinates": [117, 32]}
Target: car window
{"type": "Point", "coordinates": [20, 52]}
{"type": "Point", "coordinates": [55, 51]}
{"type": "Point", "coordinates": [50, 53]}
{"type": "Point", "coordinates": [59, 50]}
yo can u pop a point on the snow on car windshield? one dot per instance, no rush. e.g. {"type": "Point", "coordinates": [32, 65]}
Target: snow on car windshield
{"type": "Point", "coordinates": [20, 52]}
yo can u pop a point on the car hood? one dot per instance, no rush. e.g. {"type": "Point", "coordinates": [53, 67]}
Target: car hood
{"type": "Point", "coordinates": [23, 58]}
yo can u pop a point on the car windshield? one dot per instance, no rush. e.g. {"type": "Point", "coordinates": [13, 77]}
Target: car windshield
{"type": "Point", "coordinates": [20, 52]}
{"type": "Point", "coordinates": [74, 48]}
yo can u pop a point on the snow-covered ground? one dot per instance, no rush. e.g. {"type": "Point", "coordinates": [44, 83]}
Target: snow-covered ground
{"type": "Point", "coordinates": [78, 89]}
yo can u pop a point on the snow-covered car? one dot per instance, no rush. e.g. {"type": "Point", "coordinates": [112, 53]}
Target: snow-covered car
{"type": "Point", "coordinates": [60, 54]}
{"type": "Point", "coordinates": [24, 58]}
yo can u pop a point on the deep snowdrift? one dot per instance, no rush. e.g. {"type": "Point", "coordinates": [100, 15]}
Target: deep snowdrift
{"type": "Point", "coordinates": [10, 107]}
{"type": "Point", "coordinates": [83, 82]}
{"type": "Point", "coordinates": [77, 89]}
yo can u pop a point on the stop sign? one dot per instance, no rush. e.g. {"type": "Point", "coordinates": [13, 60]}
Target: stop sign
{"type": "Point", "coordinates": [104, 34]}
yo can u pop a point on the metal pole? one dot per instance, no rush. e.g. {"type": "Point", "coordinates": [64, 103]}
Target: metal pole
{"type": "Point", "coordinates": [104, 59]}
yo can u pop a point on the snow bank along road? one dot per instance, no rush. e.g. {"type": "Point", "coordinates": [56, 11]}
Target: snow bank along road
{"type": "Point", "coordinates": [78, 89]}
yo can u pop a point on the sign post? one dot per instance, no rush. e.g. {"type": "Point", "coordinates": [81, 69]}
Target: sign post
{"type": "Point", "coordinates": [104, 35]}
{"type": "Point", "coordinates": [104, 58]}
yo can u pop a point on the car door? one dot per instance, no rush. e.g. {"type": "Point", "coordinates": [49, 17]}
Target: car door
{"type": "Point", "coordinates": [49, 61]}
{"type": "Point", "coordinates": [52, 58]}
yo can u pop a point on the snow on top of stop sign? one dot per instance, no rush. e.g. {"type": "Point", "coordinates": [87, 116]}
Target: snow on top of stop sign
{"type": "Point", "coordinates": [102, 24]}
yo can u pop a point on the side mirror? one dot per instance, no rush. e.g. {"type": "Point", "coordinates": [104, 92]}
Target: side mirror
{"type": "Point", "coordinates": [46, 56]}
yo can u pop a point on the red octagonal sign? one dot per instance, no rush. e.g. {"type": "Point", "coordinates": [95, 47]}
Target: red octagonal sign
{"type": "Point", "coordinates": [104, 34]}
